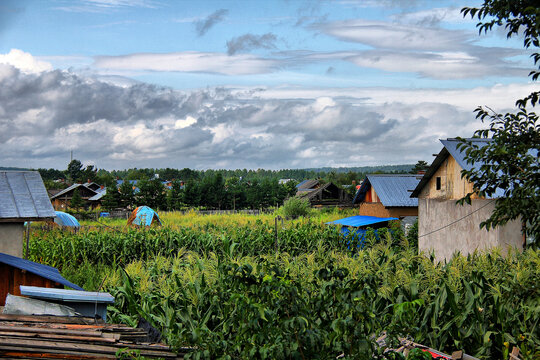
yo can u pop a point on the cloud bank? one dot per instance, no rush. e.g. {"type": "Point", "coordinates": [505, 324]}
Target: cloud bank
{"type": "Point", "coordinates": [44, 115]}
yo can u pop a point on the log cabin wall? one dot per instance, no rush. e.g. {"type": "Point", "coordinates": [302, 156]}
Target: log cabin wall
{"type": "Point", "coordinates": [14, 277]}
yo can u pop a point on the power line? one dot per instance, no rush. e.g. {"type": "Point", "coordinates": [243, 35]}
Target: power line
{"type": "Point", "coordinates": [458, 220]}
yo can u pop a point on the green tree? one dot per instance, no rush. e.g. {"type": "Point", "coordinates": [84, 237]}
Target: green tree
{"type": "Point", "coordinates": [175, 196]}
{"type": "Point", "coordinates": [511, 158]}
{"type": "Point", "coordinates": [152, 194]}
{"type": "Point", "coordinates": [111, 200]}
{"type": "Point", "coordinates": [74, 170]}
{"type": "Point", "coordinates": [127, 195]}
{"type": "Point", "coordinates": [421, 165]}
{"type": "Point", "coordinates": [76, 200]}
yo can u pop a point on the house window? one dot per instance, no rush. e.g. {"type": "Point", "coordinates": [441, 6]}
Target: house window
{"type": "Point", "coordinates": [438, 185]}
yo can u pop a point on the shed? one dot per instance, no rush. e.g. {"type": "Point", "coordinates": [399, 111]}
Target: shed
{"type": "Point", "coordinates": [387, 195]}
{"type": "Point", "coordinates": [445, 227]}
{"type": "Point", "coordinates": [144, 216]}
{"type": "Point", "coordinates": [23, 197]}
{"type": "Point", "coordinates": [328, 194]}
{"type": "Point", "coordinates": [16, 272]}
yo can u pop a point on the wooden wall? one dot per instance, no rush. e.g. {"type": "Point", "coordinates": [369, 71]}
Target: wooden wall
{"type": "Point", "coordinates": [453, 187]}
{"type": "Point", "coordinates": [378, 209]}
{"type": "Point", "coordinates": [12, 278]}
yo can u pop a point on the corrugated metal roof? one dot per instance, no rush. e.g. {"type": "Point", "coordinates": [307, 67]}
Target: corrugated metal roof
{"type": "Point", "coordinates": [23, 196]}
{"type": "Point", "coordinates": [359, 220]}
{"type": "Point", "coordinates": [66, 295]}
{"type": "Point", "coordinates": [451, 146]}
{"type": "Point", "coordinates": [394, 190]}
{"type": "Point", "coordinates": [74, 186]}
{"type": "Point", "coordinates": [99, 195]}
{"type": "Point", "coordinates": [308, 184]}
{"type": "Point", "coordinates": [44, 271]}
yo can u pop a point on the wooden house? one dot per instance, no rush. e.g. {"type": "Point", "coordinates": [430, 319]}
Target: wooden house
{"type": "Point", "coordinates": [23, 197]}
{"type": "Point", "coordinates": [446, 227]}
{"type": "Point", "coordinates": [15, 272]}
{"type": "Point", "coordinates": [387, 195]}
{"type": "Point", "coordinates": [91, 194]}
{"type": "Point", "coordinates": [327, 194]}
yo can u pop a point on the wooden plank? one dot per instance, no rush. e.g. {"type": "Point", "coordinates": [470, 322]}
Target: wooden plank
{"type": "Point", "coordinates": [90, 332]}
{"type": "Point", "coordinates": [72, 346]}
{"type": "Point", "coordinates": [83, 337]}
{"type": "Point", "coordinates": [23, 352]}
{"type": "Point", "coordinates": [51, 319]}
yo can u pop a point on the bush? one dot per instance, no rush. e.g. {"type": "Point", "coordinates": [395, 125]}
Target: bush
{"type": "Point", "coordinates": [295, 207]}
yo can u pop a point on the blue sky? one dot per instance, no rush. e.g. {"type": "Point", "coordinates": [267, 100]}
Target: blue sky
{"type": "Point", "coordinates": [245, 84]}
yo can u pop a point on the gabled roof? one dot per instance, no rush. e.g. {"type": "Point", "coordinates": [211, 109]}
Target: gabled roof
{"type": "Point", "coordinates": [450, 148]}
{"type": "Point", "coordinates": [44, 271]}
{"type": "Point", "coordinates": [307, 184]}
{"type": "Point", "coordinates": [393, 190]}
{"type": "Point", "coordinates": [23, 197]}
{"type": "Point", "coordinates": [72, 187]}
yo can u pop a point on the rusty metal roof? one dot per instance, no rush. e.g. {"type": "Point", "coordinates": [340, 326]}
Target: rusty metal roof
{"type": "Point", "coordinates": [23, 197]}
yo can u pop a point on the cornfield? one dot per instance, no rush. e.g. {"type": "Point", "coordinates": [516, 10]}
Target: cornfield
{"type": "Point", "coordinates": [229, 290]}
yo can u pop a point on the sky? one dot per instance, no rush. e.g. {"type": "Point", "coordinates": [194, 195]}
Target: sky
{"type": "Point", "coordinates": [270, 84]}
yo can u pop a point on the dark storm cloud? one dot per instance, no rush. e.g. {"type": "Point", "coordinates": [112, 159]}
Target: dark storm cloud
{"type": "Point", "coordinates": [250, 42]}
{"type": "Point", "coordinates": [206, 24]}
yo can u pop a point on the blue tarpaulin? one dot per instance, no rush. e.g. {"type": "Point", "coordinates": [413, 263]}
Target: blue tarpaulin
{"type": "Point", "coordinates": [143, 215]}
{"type": "Point", "coordinates": [358, 224]}
{"type": "Point", "coordinates": [63, 219]}
{"type": "Point", "coordinates": [359, 220]}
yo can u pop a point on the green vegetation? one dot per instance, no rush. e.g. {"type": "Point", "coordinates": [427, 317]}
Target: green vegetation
{"type": "Point", "coordinates": [295, 207]}
{"type": "Point", "coordinates": [223, 286]}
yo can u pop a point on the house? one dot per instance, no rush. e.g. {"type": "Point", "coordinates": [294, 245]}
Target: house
{"type": "Point", "coordinates": [87, 192]}
{"type": "Point", "coordinates": [446, 227]}
{"type": "Point", "coordinates": [388, 195]}
{"type": "Point", "coordinates": [319, 194]}
{"type": "Point", "coordinates": [23, 197]}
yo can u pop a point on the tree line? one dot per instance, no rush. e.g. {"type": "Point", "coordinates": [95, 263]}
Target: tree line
{"type": "Point", "coordinates": [214, 192]}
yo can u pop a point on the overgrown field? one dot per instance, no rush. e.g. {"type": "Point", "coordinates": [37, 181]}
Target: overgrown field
{"type": "Point", "coordinates": [225, 288]}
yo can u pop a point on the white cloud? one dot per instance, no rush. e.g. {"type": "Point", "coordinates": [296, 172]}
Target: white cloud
{"type": "Point", "coordinates": [24, 61]}
{"type": "Point", "coordinates": [189, 61]}
{"type": "Point", "coordinates": [385, 35]}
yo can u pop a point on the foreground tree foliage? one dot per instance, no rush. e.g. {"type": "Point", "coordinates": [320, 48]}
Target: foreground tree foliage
{"type": "Point", "coordinates": [511, 159]}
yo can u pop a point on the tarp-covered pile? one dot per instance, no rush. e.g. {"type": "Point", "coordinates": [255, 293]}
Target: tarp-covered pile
{"type": "Point", "coordinates": [144, 216]}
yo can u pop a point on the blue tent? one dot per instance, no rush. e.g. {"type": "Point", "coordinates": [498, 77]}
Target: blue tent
{"type": "Point", "coordinates": [143, 215]}
{"type": "Point", "coordinates": [358, 225]}
{"type": "Point", "coordinates": [63, 219]}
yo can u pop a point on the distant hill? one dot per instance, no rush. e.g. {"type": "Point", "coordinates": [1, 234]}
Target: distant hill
{"type": "Point", "coordinates": [366, 169]}
{"type": "Point", "coordinates": [13, 168]}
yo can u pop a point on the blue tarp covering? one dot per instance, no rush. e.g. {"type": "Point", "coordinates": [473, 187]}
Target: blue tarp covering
{"type": "Point", "coordinates": [354, 224]}
{"type": "Point", "coordinates": [44, 271]}
{"type": "Point", "coordinates": [359, 220]}
{"type": "Point", "coordinates": [63, 219]}
{"type": "Point", "coordinates": [144, 216]}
